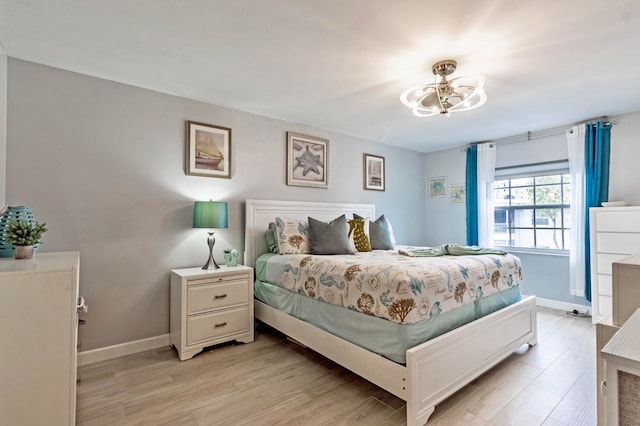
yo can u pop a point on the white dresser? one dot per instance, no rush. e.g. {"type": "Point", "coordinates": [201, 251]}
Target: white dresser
{"type": "Point", "coordinates": [38, 313]}
{"type": "Point", "coordinates": [614, 235]}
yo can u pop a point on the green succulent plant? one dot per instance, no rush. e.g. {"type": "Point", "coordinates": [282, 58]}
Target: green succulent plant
{"type": "Point", "coordinates": [23, 233]}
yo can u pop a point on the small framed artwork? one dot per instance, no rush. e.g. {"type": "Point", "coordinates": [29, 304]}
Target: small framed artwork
{"type": "Point", "coordinates": [307, 158]}
{"type": "Point", "coordinates": [373, 172]}
{"type": "Point", "coordinates": [457, 193]}
{"type": "Point", "coordinates": [208, 150]}
{"type": "Point", "coordinates": [438, 186]}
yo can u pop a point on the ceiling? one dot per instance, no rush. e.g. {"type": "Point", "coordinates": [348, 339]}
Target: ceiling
{"type": "Point", "coordinates": [341, 65]}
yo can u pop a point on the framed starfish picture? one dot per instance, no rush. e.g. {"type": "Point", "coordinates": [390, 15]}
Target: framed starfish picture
{"type": "Point", "coordinates": [307, 158]}
{"type": "Point", "coordinates": [457, 193]}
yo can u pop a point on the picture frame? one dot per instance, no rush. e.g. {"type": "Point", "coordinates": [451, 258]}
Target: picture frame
{"type": "Point", "coordinates": [438, 186]}
{"type": "Point", "coordinates": [373, 172]}
{"type": "Point", "coordinates": [208, 150]}
{"type": "Point", "coordinates": [457, 194]}
{"type": "Point", "coordinates": [307, 161]}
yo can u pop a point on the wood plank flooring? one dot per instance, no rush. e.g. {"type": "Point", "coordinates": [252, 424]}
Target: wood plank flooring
{"type": "Point", "coordinates": [273, 381]}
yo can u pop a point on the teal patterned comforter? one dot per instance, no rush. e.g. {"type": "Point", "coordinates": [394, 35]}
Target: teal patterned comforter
{"type": "Point", "coordinates": [396, 287]}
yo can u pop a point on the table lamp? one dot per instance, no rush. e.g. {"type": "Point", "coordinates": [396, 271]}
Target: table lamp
{"type": "Point", "coordinates": [210, 214]}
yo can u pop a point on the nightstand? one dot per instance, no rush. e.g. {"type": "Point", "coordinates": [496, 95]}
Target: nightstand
{"type": "Point", "coordinates": [209, 307]}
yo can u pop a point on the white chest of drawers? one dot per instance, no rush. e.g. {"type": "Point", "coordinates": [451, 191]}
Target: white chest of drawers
{"type": "Point", "coordinates": [38, 317]}
{"type": "Point", "coordinates": [614, 235]}
{"type": "Point", "coordinates": [210, 307]}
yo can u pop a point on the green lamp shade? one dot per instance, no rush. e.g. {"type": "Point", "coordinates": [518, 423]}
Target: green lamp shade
{"type": "Point", "coordinates": [210, 214]}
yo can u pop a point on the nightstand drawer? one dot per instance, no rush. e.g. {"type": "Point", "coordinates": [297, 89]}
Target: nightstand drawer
{"type": "Point", "coordinates": [216, 325]}
{"type": "Point", "coordinates": [202, 298]}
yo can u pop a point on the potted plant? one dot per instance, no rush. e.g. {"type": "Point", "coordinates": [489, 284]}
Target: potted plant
{"type": "Point", "coordinates": [24, 235]}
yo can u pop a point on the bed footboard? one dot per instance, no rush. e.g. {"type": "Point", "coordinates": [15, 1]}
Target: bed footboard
{"type": "Point", "coordinates": [438, 368]}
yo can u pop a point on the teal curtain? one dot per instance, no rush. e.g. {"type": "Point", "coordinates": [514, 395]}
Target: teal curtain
{"type": "Point", "coordinates": [472, 195]}
{"type": "Point", "coordinates": [597, 153]}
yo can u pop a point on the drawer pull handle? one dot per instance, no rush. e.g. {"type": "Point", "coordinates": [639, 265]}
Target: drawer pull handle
{"type": "Point", "coordinates": [220, 325]}
{"type": "Point", "coordinates": [219, 296]}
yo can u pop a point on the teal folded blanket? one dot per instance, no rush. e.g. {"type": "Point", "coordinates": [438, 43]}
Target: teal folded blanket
{"type": "Point", "coordinates": [450, 249]}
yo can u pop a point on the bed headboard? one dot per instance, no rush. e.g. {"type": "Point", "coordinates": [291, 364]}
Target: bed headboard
{"type": "Point", "coordinates": [260, 212]}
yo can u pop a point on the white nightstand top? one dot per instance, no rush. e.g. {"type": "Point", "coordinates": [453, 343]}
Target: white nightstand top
{"type": "Point", "coordinates": [198, 271]}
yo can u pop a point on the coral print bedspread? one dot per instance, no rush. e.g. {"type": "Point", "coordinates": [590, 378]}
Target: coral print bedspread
{"type": "Point", "coordinates": [400, 288]}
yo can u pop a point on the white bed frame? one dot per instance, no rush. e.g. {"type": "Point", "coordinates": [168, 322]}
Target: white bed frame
{"type": "Point", "coordinates": [434, 369]}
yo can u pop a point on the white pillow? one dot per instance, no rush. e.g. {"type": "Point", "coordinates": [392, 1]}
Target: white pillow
{"type": "Point", "coordinates": [292, 236]}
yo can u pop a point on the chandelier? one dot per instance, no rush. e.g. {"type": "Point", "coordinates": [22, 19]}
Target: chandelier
{"type": "Point", "coordinates": [445, 96]}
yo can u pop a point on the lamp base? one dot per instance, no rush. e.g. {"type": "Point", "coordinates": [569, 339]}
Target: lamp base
{"type": "Point", "coordinates": [211, 262]}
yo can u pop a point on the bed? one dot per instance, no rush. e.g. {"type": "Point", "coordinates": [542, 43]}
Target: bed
{"type": "Point", "coordinates": [433, 370]}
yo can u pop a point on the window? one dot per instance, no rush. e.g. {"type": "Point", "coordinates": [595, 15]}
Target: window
{"type": "Point", "coordinates": [532, 209]}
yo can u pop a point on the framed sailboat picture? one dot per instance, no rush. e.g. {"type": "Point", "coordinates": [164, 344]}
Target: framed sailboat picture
{"type": "Point", "coordinates": [208, 150]}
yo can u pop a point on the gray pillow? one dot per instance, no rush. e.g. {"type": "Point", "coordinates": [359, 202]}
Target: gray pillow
{"type": "Point", "coordinates": [379, 233]}
{"type": "Point", "coordinates": [329, 238]}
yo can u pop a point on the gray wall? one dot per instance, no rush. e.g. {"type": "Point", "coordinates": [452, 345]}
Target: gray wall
{"type": "Point", "coordinates": [546, 276]}
{"type": "Point", "coordinates": [446, 223]}
{"type": "Point", "coordinates": [624, 174]}
{"type": "Point", "coordinates": [102, 164]}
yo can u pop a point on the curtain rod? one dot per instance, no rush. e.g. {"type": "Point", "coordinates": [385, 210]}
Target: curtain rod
{"type": "Point", "coordinates": [608, 123]}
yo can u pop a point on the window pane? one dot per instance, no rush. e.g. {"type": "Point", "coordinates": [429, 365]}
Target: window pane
{"type": "Point", "coordinates": [522, 196]}
{"type": "Point", "coordinates": [567, 218]}
{"type": "Point", "coordinates": [501, 183]}
{"type": "Point", "coordinates": [522, 182]}
{"type": "Point", "coordinates": [548, 218]}
{"type": "Point", "coordinates": [566, 178]}
{"type": "Point", "coordinates": [540, 180]}
{"type": "Point", "coordinates": [523, 218]}
{"type": "Point", "coordinates": [500, 217]}
{"type": "Point", "coordinates": [523, 238]}
{"type": "Point", "coordinates": [548, 194]}
{"type": "Point", "coordinates": [501, 197]}
{"type": "Point", "coordinates": [549, 238]}
{"type": "Point", "coordinates": [567, 239]}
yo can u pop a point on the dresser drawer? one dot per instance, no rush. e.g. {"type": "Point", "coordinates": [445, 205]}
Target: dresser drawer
{"type": "Point", "coordinates": [217, 325]}
{"type": "Point", "coordinates": [206, 297]}
{"type": "Point", "coordinates": [604, 261]}
{"type": "Point", "coordinates": [604, 304]}
{"type": "Point", "coordinates": [604, 285]}
{"type": "Point", "coordinates": [618, 220]}
{"type": "Point", "coordinates": [616, 242]}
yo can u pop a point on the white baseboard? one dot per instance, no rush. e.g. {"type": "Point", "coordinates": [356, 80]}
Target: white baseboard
{"type": "Point", "coordinates": [110, 352]}
{"type": "Point", "coordinates": [563, 306]}
{"type": "Point", "coordinates": [115, 351]}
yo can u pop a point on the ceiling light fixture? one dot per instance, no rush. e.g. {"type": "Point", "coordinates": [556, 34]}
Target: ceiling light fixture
{"type": "Point", "coordinates": [445, 96]}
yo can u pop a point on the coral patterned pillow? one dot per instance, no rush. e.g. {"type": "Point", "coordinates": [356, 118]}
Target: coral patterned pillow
{"type": "Point", "coordinates": [292, 236]}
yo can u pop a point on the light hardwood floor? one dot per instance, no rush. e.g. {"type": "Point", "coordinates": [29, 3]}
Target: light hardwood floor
{"type": "Point", "coordinates": [276, 382]}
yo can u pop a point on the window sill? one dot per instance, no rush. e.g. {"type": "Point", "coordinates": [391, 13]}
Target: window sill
{"type": "Point", "coordinates": [540, 252]}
